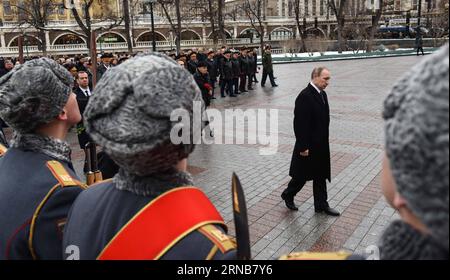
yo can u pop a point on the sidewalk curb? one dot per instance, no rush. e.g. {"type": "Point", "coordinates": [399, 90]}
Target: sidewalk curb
{"type": "Point", "coordinates": [288, 60]}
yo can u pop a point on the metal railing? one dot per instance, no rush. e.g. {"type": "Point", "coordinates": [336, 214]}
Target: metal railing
{"type": "Point", "coordinates": [139, 46]}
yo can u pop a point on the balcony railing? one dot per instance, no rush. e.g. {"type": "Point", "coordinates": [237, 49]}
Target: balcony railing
{"type": "Point", "coordinates": [111, 47]}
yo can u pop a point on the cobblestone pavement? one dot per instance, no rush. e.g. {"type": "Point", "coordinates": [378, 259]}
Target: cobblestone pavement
{"type": "Point", "coordinates": [356, 95]}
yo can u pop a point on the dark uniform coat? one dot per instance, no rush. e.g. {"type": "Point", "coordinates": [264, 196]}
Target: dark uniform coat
{"type": "Point", "coordinates": [236, 67]}
{"type": "Point", "coordinates": [101, 70]}
{"type": "Point", "coordinates": [212, 69]}
{"type": "Point", "coordinates": [267, 62]}
{"type": "Point", "coordinates": [226, 69]}
{"type": "Point", "coordinates": [311, 127]}
{"type": "Point", "coordinates": [101, 211]}
{"type": "Point", "coordinates": [204, 85]}
{"type": "Point", "coordinates": [244, 63]}
{"type": "Point", "coordinates": [34, 204]}
{"type": "Point", "coordinates": [192, 66]}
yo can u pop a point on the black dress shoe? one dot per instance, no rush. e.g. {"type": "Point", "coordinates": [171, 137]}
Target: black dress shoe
{"type": "Point", "coordinates": [274, 85]}
{"type": "Point", "coordinates": [328, 211]}
{"type": "Point", "coordinates": [289, 202]}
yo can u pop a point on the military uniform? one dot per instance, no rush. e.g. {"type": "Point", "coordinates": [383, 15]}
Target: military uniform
{"type": "Point", "coordinates": [36, 193]}
{"type": "Point", "coordinates": [123, 225]}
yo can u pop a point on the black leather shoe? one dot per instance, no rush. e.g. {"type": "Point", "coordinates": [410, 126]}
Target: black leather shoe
{"type": "Point", "coordinates": [289, 203]}
{"type": "Point", "coordinates": [275, 85]}
{"type": "Point", "coordinates": [329, 211]}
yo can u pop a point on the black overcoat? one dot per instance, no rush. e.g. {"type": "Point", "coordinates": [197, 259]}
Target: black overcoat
{"type": "Point", "coordinates": [311, 127]}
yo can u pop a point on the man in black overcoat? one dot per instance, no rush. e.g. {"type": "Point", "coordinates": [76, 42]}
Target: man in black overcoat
{"type": "Point", "coordinates": [311, 156]}
{"type": "Point", "coordinates": [83, 92]}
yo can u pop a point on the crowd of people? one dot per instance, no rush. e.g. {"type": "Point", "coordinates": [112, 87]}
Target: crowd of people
{"type": "Point", "coordinates": [231, 71]}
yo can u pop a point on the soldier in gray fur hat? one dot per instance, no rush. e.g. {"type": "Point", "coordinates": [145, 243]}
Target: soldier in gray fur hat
{"type": "Point", "coordinates": [150, 209]}
{"type": "Point", "coordinates": [37, 180]}
{"type": "Point", "coordinates": [415, 175]}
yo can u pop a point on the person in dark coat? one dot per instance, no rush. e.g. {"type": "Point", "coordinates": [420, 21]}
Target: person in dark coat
{"type": "Point", "coordinates": [255, 65]}
{"type": "Point", "coordinates": [8, 66]}
{"type": "Point", "coordinates": [192, 63]}
{"type": "Point", "coordinates": [244, 63]}
{"type": "Point", "coordinates": [267, 67]}
{"type": "Point", "coordinates": [419, 42]}
{"type": "Point", "coordinates": [83, 92]}
{"type": "Point", "coordinates": [212, 71]}
{"type": "Point", "coordinates": [236, 72]}
{"type": "Point", "coordinates": [202, 79]}
{"type": "Point", "coordinates": [226, 75]}
{"type": "Point", "coordinates": [311, 156]}
{"type": "Point", "coordinates": [104, 65]}
{"type": "Point", "coordinates": [37, 181]}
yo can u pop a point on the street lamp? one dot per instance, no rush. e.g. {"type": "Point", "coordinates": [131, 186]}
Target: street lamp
{"type": "Point", "coordinates": [150, 2]}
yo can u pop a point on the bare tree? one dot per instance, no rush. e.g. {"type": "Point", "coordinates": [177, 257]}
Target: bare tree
{"type": "Point", "coordinates": [373, 29]}
{"type": "Point", "coordinates": [127, 21]}
{"type": "Point", "coordinates": [35, 13]}
{"type": "Point", "coordinates": [207, 10]}
{"type": "Point", "coordinates": [339, 12]}
{"type": "Point", "coordinates": [253, 9]}
{"type": "Point", "coordinates": [301, 29]}
{"type": "Point", "coordinates": [221, 19]}
{"type": "Point", "coordinates": [85, 21]}
{"type": "Point", "coordinates": [174, 26]}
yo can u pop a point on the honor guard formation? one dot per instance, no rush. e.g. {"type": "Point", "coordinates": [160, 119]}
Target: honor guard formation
{"type": "Point", "coordinates": [145, 205]}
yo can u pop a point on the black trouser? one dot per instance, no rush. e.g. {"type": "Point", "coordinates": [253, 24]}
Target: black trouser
{"type": "Point", "coordinates": [264, 77]}
{"type": "Point", "coordinates": [254, 77]}
{"type": "Point", "coordinates": [235, 86]}
{"type": "Point", "coordinates": [243, 82]}
{"type": "Point", "coordinates": [213, 85]}
{"type": "Point", "coordinates": [250, 81]}
{"type": "Point", "coordinates": [319, 191]}
{"type": "Point", "coordinates": [228, 84]}
{"type": "Point", "coordinates": [421, 49]}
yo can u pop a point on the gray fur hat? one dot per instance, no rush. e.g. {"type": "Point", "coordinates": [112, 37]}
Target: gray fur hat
{"type": "Point", "coordinates": [417, 141]}
{"type": "Point", "coordinates": [33, 94]}
{"type": "Point", "coordinates": [129, 113]}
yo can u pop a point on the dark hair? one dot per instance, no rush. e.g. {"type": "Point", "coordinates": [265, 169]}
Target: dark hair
{"type": "Point", "coordinates": [81, 72]}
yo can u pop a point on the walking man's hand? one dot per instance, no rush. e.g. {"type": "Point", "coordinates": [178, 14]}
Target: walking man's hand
{"type": "Point", "coordinates": [305, 153]}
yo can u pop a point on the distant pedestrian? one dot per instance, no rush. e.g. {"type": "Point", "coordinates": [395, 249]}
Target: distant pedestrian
{"type": "Point", "coordinates": [419, 43]}
{"type": "Point", "coordinates": [267, 67]}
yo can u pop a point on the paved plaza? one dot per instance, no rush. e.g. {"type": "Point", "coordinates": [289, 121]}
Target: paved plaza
{"type": "Point", "coordinates": [356, 95]}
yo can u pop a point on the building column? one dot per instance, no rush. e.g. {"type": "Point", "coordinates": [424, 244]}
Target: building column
{"type": "Point", "coordinates": [2, 40]}
{"type": "Point", "coordinates": [204, 35]}
{"type": "Point", "coordinates": [280, 7]}
{"type": "Point", "coordinates": [235, 32]}
{"type": "Point", "coordinates": [47, 38]}
{"type": "Point", "coordinates": [286, 9]}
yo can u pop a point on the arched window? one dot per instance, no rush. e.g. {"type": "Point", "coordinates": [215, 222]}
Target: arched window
{"type": "Point", "coordinates": [189, 35]}
{"type": "Point", "coordinates": [69, 39]}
